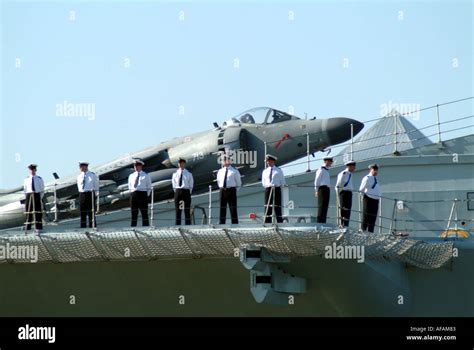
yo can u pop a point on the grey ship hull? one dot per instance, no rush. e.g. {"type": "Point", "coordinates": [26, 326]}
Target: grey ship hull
{"type": "Point", "coordinates": [220, 287]}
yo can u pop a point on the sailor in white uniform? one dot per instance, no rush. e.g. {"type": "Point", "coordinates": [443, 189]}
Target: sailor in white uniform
{"type": "Point", "coordinates": [139, 184]}
{"type": "Point", "coordinates": [228, 180]}
{"type": "Point", "coordinates": [33, 187]}
{"type": "Point", "coordinates": [88, 187]}
{"type": "Point", "coordinates": [344, 191]}
{"type": "Point", "coordinates": [370, 189]}
{"type": "Point", "coordinates": [183, 183]}
{"type": "Point", "coordinates": [273, 180]}
{"type": "Point", "coordinates": [322, 182]}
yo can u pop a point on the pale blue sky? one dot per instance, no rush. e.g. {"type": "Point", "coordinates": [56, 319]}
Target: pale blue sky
{"type": "Point", "coordinates": [422, 55]}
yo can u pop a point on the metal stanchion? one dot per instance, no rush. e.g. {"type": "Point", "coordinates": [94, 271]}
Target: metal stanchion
{"type": "Point", "coordinates": [338, 208]}
{"type": "Point", "coordinates": [210, 205]}
{"type": "Point", "coordinates": [380, 215]}
{"type": "Point", "coordinates": [42, 210]}
{"type": "Point", "coordinates": [98, 201]}
{"type": "Point", "coordinates": [352, 141]}
{"type": "Point", "coordinates": [360, 210]}
{"type": "Point", "coordinates": [152, 205]}
{"type": "Point", "coordinates": [267, 206]}
{"type": "Point", "coordinates": [453, 216]}
{"type": "Point", "coordinates": [34, 211]}
{"type": "Point", "coordinates": [273, 205]}
{"type": "Point", "coordinates": [55, 203]}
{"type": "Point", "coordinates": [28, 214]}
{"type": "Point", "coordinates": [395, 151]}
{"type": "Point", "coordinates": [93, 208]}
{"type": "Point", "coordinates": [439, 126]}
{"type": "Point", "coordinates": [307, 153]}
{"type": "Point", "coordinates": [265, 155]}
{"type": "Point", "coordinates": [393, 223]}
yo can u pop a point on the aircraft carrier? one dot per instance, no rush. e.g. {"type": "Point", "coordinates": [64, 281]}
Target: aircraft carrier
{"type": "Point", "coordinates": [252, 269]}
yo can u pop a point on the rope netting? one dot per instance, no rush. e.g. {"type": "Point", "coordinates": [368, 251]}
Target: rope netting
{"type": "Point", "coordinates": [201, 242]}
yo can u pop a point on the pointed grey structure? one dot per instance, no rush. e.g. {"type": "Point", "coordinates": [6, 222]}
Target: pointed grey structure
{"type": "Point", "coordinates": [391, 134]}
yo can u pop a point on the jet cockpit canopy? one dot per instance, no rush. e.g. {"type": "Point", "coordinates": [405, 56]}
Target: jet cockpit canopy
{"type": "Point", "coordinates": [260, 115]}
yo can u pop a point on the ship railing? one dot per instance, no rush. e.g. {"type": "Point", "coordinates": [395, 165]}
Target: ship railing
{"type": "Point", "coordinates": [307, 213]}
{"type": "Point", "coordinates": [396, 134]}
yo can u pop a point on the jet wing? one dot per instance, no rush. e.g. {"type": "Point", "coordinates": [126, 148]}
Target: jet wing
{"type": "Point", "coordinates": [11, 190]}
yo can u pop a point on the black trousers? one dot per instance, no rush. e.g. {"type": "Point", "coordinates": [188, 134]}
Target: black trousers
{"type": "Point", "coordinates": [228, 196]}
{"type": "Point", "coordinates": [139, 201]}
{"type": "Point", "coordinates": [323, 203]}
{"type": "Point", "coordinates": [33, 211]}
{"type": "Point", "coordinates": [269, 203]}
{"type": "Point", "coordinates": [369, 216]}
{"type": "Point", "coordinates": [345, 203]}
{"type": "Point", "coordinates": [182, 201]}
{"type": "Point", "coordinates": [87, 204]}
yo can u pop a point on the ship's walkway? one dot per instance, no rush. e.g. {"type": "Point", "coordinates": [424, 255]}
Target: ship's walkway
{"type": "Point", "coordinates": [223, 242]}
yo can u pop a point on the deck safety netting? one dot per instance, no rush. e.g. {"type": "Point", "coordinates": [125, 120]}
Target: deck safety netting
{"type": "Point", "coordinates": [194, 242]}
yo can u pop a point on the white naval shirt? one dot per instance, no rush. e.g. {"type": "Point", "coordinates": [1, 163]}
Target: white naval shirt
{"type": "Point", "coordinates": [144, 182]}
{"type": "Point", "coordinates": [39, 184]}
{"type": "Point", "coordinates": [344, 181]}
{"type": "Point", "coordinates": [370, 187]}
{"type": "Point", "coordinates": [322, 178]}
{"type": "Point", "coordinates": [278, 178]}
{"type": "Point", "coordinates": [87, 182]}
{"type": "Point", "coordinates": [188, 180]}
{"type": "Point", "coordinates": [233, 177]}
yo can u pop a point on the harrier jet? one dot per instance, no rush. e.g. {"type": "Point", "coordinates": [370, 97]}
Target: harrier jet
{"type": "Point", "coordinates": [246, 137]}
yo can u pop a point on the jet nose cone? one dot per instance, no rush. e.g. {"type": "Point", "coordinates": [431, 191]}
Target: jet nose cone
{"type": "Point", "coordinates": [339, 129]}
{"type": "Point", "coordinates": [357, 126]}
